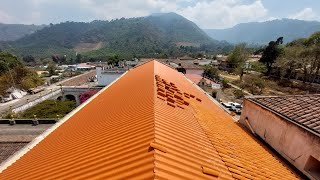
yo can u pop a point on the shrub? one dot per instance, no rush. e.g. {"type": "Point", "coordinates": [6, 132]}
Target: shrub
{"type": "Point", "coordinates": [49, 109]}
{"type": "Point", "coordinates": [254, 84]}
{"type": "Point", "coordinates": [238, 94]}
{"type": "Point", "coordinates": [225, 83]}
{"type": "Point", "coordinates": [86, 95]}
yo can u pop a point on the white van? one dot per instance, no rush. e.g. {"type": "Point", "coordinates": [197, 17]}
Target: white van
{"type": "Point", "coordinates": [236, 107]}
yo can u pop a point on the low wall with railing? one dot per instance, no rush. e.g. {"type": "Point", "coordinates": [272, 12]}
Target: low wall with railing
{"type": "Point", "coordinates": [36, 101]}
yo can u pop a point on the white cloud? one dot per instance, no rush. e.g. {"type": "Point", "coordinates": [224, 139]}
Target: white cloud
{"type": "Point", "coordinates": [224, 13]}
{"type": "Point", "coordinates": [123, 8]}
{"type": "Point", "coordinates": [205, 13]}
{"type": "Point", "coordinates": [305, 14]}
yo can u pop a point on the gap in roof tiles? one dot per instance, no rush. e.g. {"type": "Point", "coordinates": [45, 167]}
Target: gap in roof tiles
{"type": "Point", "coordinates": [172, 95]}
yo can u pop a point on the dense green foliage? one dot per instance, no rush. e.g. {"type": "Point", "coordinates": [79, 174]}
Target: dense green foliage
{"type": "Point", "coordinates": [263, 32]}
{"type": "Point", "coordinates": [157, 35]}
{"type": "Point", "coordinates": [49, 109]}
{"type": "Point", "coordinates": [19, 76]}
{"type": "Point", "coordinates": [237, 58]}
{"type": "Point", "coordinates": [8, 61]}
{"type": "Point", "coordinates": [271, 53]}
{"type": "Point", "coordinates": [211, 73]}
{"type": "Point", "coordinates": [11, 32]}
{"type": "Point", "coordinates": [300, 56]}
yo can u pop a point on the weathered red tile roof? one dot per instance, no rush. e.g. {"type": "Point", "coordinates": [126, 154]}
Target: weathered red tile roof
{"type": "Point", "coordinates": [196, 78]}
{"type": "Point", "coordinates": [7, 149]}
{"type": "Point", "coordinates": [301, 109]}
{"type": "Point", "coordinates": [150, 124]}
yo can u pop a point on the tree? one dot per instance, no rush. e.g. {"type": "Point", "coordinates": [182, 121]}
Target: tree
{"type": "Point", "coordinates": [237, 59]}
{"type": "Point", "coordinates": [78, 58]}
{"type": "Point", "coordinates": [59, 59]}
{"type": "Point", "coordinates": [211, 72]}
{"type": "Point", "coordinates": [8, 61]}
{"type": "Point", "coordinates": [303, 54]}
{"type": "Point", "coordinates": [310, 62]}
{"type": "Point", "coordinates": [271, 53]}
{"type": "Point", "coordinates": [52, 69]}
{"type": "Point", "coordinates": [254, 84]}
{"type": "Point", "coordinates": [30, 60]}
{"type": "Point", "coordinates": [289, 61]}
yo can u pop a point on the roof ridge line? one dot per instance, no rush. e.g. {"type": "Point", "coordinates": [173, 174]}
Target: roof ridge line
{"type": "Point", "coordinates": [154, 118]}
{"type": "Point", "coordinates": [16, 156]}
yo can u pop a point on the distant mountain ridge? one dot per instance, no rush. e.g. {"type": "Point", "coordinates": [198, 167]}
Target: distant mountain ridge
{"type": "Point", "coordinates": [154, 34]}
{"type": "Point", "coordinates": [12, 32]}
{"type": "Point", "coordinates": [264, 32]}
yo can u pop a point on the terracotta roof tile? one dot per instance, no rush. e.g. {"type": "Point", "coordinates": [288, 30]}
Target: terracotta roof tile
{"type": "Point", "coordinates": [302, 109]}
{"type": "Point", "coordinates": [131, 131]}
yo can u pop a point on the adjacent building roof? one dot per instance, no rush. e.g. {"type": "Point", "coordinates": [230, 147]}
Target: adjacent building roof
{"type": "Point", "coordinates": [303, 110]}
{"type": "Point", "coordinates": [7, 149]}
{"type": "Point", "coordinates": [152, 123]}
{"type": "Point", "coordinates": [13, 138]}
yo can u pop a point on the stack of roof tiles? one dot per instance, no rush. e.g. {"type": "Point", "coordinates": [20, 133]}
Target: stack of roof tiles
{"type": "Point", "coordinates": [150, 124]}
{"type": "Point", "coordinates": [302, 109]}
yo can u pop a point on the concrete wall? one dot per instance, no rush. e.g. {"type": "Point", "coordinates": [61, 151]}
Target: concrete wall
{"type": "Point", "coordinates": [104, 79]}
{"type": "Point", "coordinates": [294, 143]}
{"type": "Point", "coordinates": [36, 101]}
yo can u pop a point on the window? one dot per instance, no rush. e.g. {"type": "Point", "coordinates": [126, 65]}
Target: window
{"type": "Point", "coordinates": [313, 167]}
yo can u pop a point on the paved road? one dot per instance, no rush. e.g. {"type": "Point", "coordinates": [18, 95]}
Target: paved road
{"type": "Point", "coordinates": [4, 107]}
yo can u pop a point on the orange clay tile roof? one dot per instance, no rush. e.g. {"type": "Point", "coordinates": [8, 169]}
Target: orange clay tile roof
{"type": "Point", "coordinates": [150, 124]}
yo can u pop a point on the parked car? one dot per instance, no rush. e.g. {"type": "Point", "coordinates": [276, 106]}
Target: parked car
{"type": "Point", "coordinates": [236, 107]}
{"type": "Point", "coordinates": [35, 90]}
{"type": "Point", "coordinates": [227, 105]}
{"type": "Point", "coordinates": [6, 98]}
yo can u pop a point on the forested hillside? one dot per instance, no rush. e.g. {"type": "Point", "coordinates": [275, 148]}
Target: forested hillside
{"type": "Point", "coordinates": [263, 32]}
{"type": "Point", "coordinates": [12, 32]}
{"type": "Point", "coordinates": [155, 35]}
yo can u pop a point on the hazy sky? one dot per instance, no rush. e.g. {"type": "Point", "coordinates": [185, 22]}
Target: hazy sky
{"type": "Point", "coordinates": [205, 13]}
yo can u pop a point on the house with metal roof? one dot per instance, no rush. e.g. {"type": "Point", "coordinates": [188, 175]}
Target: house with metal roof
{"type": "Point", "coordinates": [290, 125]}
{"type": "Point", "coordinates": [151, 123]}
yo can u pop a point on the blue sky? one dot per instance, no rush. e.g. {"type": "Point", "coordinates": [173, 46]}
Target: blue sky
{"type": "Point", "coordinates": [205, 13]}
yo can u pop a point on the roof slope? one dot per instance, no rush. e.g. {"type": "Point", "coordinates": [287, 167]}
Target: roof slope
{"type": "Point", "coordinates": [151, 124]}
{"type": "Point", "coordinates": [302, 109]}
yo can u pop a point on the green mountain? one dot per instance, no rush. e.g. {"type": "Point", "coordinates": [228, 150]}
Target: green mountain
{"type": "Point", "coordinates": [145, 36]}
{"type": "Point", "coordinates": [12, 32]}
{"type": "Point", "coordinates": [264, 32]}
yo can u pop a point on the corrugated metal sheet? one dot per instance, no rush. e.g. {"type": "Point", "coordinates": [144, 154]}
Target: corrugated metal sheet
{"type": "Point", "coordinates": [107, 139]}
{"type": "Point", "coordinates": [203, 134]}
{"type": "Point", "coordinates": [151, 124]}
